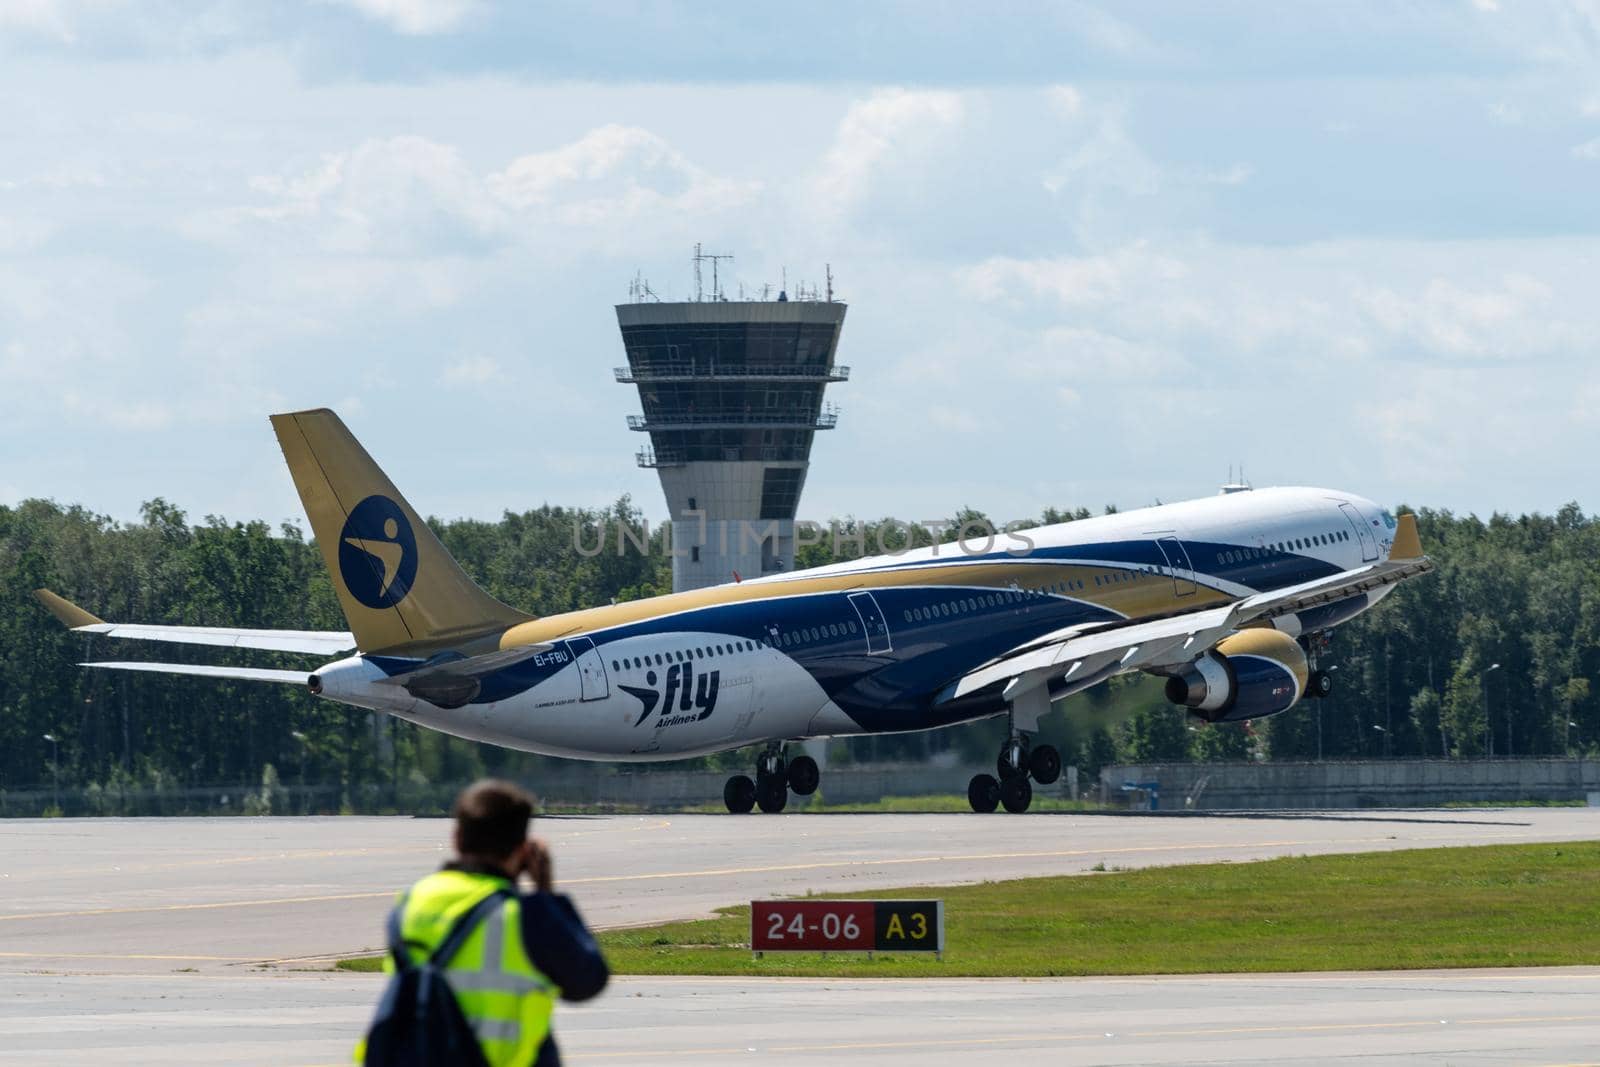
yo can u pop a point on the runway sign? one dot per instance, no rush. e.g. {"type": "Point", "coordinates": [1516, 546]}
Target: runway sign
{"type": "Point", "coordinates": [847, 926]}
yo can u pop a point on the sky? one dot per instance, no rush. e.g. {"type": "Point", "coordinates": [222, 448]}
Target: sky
{"type": "Point", "coordinates": [1093, 254]}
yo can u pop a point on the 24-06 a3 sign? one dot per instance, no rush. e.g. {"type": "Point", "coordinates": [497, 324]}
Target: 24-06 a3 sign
{"type": "Point", "coordinates": [847, 926]}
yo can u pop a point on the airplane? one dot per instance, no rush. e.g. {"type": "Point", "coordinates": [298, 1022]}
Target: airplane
{"type": "Point", "coordinates": [1225, 597]}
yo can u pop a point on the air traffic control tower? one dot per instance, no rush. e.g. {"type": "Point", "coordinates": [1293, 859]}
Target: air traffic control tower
{"type": "Point", "coordinates": [732, 396]}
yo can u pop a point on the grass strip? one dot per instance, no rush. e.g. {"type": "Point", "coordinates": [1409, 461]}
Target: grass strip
{"type": "Point", "coordinates": [1484, 906]}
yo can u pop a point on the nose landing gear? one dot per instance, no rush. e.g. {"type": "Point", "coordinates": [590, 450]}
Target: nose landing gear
{"type": "Point", "coordinates": [775, 779]}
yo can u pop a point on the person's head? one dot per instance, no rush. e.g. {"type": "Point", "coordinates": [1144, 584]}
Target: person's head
{"type": "Point", "coordinates": [492, 821]}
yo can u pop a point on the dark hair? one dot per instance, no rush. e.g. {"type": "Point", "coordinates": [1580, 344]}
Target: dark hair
{"type": "Point", "coordinates": [492, 818]}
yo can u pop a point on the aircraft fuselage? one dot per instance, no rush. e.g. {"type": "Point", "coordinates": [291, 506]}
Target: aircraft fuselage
{"type": "Point", "coordinates": [870, 645]}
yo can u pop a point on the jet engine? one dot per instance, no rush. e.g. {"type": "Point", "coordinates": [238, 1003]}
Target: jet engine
{"type": "Point", "coordinates": [1253, 674]}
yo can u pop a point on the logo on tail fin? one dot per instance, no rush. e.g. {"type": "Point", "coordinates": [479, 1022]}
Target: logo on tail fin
{"type": "Point", "coordinates": [377, 553]}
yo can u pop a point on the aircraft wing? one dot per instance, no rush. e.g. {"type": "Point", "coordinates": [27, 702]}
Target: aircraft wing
{"type": "Point", "coordinates": [313, 642]}
{"type": "Point", "coordinates": [1075, 658]}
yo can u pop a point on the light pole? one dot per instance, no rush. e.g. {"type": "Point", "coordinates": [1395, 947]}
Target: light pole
{"type": "Point", "coordinates": [1488, 730]}
{"type": "Point", "coordinates": [305, 743]}
{"type": "Point", "coordinates": [55, 771]}
{"type": "Point", "coordinates": [1385, 734]}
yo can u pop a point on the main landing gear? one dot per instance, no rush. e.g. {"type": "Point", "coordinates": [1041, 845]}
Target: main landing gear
{"type": "Point", "coordinates": [1010, 787]}
{"type": "Point", "coordinates": [774, 781]}
{"type": "Point", "coordinates": [1319, 683]}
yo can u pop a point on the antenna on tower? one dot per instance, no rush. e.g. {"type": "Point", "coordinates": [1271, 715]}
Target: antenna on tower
{"type": "Point", "coordinates": [640, 290]}
{"type": "Point", "coordinates": [716, 282]}
{"type": "Point", "coordinates": [828, 268]}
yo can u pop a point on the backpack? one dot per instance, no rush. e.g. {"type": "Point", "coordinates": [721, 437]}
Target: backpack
{"type": "Point", "coordinates": [418, 1022]}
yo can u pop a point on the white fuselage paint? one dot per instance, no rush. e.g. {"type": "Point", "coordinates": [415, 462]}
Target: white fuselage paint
{"type": "Point", "coordinates": [764, 693]}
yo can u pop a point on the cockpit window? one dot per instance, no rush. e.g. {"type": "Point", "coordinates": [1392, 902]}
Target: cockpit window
{"type": "Point", "coordinates": [1388, 520]}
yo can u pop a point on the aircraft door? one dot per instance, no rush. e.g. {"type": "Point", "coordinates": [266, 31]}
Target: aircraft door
{"type": "Point", "coordinates": [873, 623]}
{"type": "Point", "coordinates": [1369, 544]}
{"type": "Point", "coordinates": [1178, 565]}
{"type": "Point", "coordinates": [591, 669]}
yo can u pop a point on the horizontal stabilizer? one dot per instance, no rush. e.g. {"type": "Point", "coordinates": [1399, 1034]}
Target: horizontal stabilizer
{"type": "Point", "coordinates": [205, 670]}
{"type": "Point", "coordinates": [311, 642]}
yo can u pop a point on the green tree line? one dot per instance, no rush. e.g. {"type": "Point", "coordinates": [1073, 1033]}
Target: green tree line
{"type": "Point", "coordinates": [1496, 653]}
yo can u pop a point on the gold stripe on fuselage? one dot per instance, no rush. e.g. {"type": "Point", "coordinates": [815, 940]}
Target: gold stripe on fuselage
{"type": "Point", "coordinates": [1139, 594]}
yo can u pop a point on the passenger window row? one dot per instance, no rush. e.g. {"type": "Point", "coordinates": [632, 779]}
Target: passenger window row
{"type": "Point", "coordinates": [808, 635]}
{"type": "Point", "coordinates": [1293, 544]}
{"type": "Point", "coordinates": [981, 601]}
{"type": "Point", "coordinates": [634, 663]}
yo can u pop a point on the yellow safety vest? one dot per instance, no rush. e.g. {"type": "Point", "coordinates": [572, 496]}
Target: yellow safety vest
{"type": "Point", "coordinates": [503, 995]}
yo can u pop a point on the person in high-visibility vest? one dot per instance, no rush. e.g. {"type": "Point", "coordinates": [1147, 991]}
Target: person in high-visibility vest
{"type": "Point", "coordinates": [527, 953]}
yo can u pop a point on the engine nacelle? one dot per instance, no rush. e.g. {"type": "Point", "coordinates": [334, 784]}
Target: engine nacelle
{"type": "Point", "coordinates": [1253, 674]}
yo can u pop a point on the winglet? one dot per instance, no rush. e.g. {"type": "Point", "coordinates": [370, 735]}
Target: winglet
{"type": "Point", "coordinates": [1407, 545]}
{"type": "Point", "coordinates": [70, 614]}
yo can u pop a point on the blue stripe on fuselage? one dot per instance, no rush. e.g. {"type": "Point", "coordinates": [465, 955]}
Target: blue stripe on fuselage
{"type": "Point", "coordinates": [895, 691]}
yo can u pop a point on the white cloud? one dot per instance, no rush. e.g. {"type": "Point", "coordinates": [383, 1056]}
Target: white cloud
{"type": "Point", "coordinates": [1587, 150]}
{"type": "Point", "coordinates": [1237, 174]}
{"type": "Point", "coordinates": [121, 413]}
{"type": "Point", "coordinates": [891, 126]}
{"type": "Point", "coordinates": [1073, 280]}
{"type": "Point", "coordinates": [1505, 113]}
{"type": "Point", "coordinates": [1065, 99]}
{"type": "Point", "coordinates": [951, 419]}
{"type": "Point", "coordinates": [47, 18]}
{"type": "Point", "coordinates": [1074, 263]}
{"type": "Point", "coordinates": [57, 179]}
{"type": "Point", "coordinates": [19, 235]}
{"type": "Point", "coordinates": [1510, 321]}
{"type": "Point", "coordinates": [414, 196]}
{"type": "Point", "coordinates": [416, 18]}
{"type": "Point", "coordinates": [610, 175]}
{"type": "Point", "coordinates": [1585, 409]}
{"type": "Point", "coordinates": [398, 194]}
{"type": "Point", "coordinates": [471, 371]}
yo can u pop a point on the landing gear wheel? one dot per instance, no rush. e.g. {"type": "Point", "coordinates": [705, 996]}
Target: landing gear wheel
{"type": "Point", "coordinates": [1016, 794]}
{"type": "Point", "coordinates": [1013, 759]}
{"type": "Point", "coordinates": [804, 775]}
{"type": "Point", "coordinates": [983, 793]}
{"type": "Point", "coordinates": [1044, 763]}
{"type": "Point", "coordinates": [1320, 684]}
{"type": "Point", "coordinates": [772, 794]}
{"type": "Point", "coordinates": [739, 794]}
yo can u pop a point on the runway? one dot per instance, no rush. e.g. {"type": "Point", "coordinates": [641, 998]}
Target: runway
{"type": "Point", "coordinates": [201, 941]}
{"type": "Point", "coordinates": [312, 1020]}
{"type": "Point", "coordinates": [156, 895]}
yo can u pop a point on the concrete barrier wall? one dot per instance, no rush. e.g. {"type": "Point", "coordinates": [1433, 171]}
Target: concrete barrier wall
{"type": "Point", "coordinates": [1372, 784]}
{"type": "Point", "coordinates": [646, 788]}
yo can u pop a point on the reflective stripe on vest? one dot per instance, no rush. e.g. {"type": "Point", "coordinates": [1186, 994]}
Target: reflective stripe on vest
{"type": "Point", "coordinates": [503, 995]}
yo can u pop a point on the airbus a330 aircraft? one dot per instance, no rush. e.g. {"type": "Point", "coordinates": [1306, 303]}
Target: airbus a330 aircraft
{"type": "Point", "coordinates": [1221, 596]}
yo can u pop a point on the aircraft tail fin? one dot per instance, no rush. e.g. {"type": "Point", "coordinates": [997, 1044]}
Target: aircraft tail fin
{"type": "Point", "coordinates": [401, 591]}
